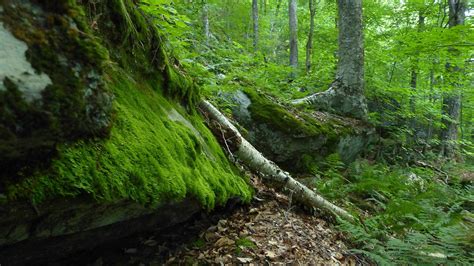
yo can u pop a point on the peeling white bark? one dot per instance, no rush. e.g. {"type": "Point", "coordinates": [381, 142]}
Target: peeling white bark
{"type": "Point", "coordinates": [250, 156]}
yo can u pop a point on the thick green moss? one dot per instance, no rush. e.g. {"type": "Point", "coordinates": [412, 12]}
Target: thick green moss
{"type": "Point", "coordinates": [295, 123]}
{"type": "Point", "coordinates": [148, 158]}
{"type": "Point", "coordinates": [137, 45]}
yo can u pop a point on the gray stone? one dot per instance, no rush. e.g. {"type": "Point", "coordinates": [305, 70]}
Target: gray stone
{"type": "Point", "coordinates": [65, 225]}
{"type": "Point", "coordinates": [288, 150]}
{"type": "Point", "coordinates": [16, 67]}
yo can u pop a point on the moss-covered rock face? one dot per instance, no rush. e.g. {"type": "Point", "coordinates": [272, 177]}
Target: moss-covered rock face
{"type": "Point", "coordinates": [294, 138]}
{"type": "Point", "coordinates": [155, 153]}
{"type": "Point", "coordinates": [84, 52]}
{"type": "Point", "coordinates": [51, 82]}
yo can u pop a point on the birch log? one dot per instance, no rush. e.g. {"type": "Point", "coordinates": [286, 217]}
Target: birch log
{"type": "Point", "coordinates": [251, 157]}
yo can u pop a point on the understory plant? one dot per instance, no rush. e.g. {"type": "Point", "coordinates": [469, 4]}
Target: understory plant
{"type": "Point", "coordinates": [407, 214]}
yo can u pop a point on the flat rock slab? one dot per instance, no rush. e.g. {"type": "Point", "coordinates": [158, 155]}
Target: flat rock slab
{"type": "Point", "coordinates": [52, 230]}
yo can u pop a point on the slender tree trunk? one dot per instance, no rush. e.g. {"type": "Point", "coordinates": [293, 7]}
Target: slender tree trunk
{"type": "Point", "coordinates": [429, 134]}
{"type": "Point", "coordinates": [414, 78]}
{"type": "Point", "coordinates": [255, 24]}
{"type": "Point", "coordinates": [272, 26]}
{"type": "Point", "coordinates": [277, 12]}
{"type": "Point", "coordinates": [309, 43]}
{"type": "Point", "coordinates": [263, 6]}
{"type": "Point", "coordinates": [452, 101]}
{"type": "Point", "coordinates": [292, 8]}
{"type": "Point", "coordinates": [346, 94]}
{"type": "Point", "coordinates": [245, 152]}
{"type": "Point", "coordinates": [205, 22]}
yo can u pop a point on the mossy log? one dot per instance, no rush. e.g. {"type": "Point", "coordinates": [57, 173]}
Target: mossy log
{"type": "Point", "coordinates": [251, 157]}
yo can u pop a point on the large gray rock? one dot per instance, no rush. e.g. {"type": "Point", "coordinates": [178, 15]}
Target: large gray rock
{"type": "Point", "coordinates": [289, 136]}
{"type": "Point", "coordinates": [51, 81]}
{"type": "Point", "coordinates": [35, 234]}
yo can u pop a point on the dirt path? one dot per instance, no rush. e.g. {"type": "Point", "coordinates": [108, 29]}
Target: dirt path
{"type": "Point", "coordinates": [270, 230]}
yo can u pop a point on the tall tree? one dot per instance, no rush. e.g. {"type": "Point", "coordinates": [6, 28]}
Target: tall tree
{"type": "Point", "coordinates": [452, 101]}
{"type": "Point", "coordinates": [205, 22]}
{"type": "Point", "coordinates": [292, 8]}
{"type": "Point", "coordinates": [255, 24]}
{"type": "Point", "coordinates": [309, 43]}
{"type": "Point", "coordinates": [346, 94]}
{"type": "Point", "coordinates": [414, 74]}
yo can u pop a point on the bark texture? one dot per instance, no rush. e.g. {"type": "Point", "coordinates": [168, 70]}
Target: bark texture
{"type": "Point", "coordinates": [205, 22]}
{"type": "Point", "coordinates": [346, 94]}
{"type": "Point", "coordinates": [452, 101]}
{"type": "Point", "coordinates": [309, 44]}
{"type": "Point", "coordinates": [251, 157]}
{"type": "Point", "coordinates": [292, 8]}
{"type": "Point", "coordinates": [414, 78]}
{"type": "Point", "coordinates": [255, 24]}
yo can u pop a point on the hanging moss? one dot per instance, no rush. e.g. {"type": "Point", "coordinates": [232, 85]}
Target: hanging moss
{"type": "Point", "coordinates": [138, 46]}
{"type": "Point", "coordinates": [148, 158]}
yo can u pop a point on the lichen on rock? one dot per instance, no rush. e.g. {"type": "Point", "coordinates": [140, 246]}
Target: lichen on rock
{"type": "Point", "coordinates": [52, 85]}
{"type": "Point", "coordinates": [16, 68]}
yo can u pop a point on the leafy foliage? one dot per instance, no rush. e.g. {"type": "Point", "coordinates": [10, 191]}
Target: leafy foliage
{"type": "Point", "coordinates": [407, 214]}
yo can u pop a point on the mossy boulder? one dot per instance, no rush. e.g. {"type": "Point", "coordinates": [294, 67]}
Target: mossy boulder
{"type": "Point", "coordinates": [92, 107]}
{"type": "Point", "coordinates": [290, 136]}
{"type": "Point", "coordinates": [51, 81]}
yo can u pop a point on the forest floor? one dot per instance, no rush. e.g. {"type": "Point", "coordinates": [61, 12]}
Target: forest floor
{"type": "Point", "coordinates": [269, 230]}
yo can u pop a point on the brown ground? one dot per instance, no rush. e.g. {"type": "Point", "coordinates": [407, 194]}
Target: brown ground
{"type": "Point", "coordinates": [269, 230]}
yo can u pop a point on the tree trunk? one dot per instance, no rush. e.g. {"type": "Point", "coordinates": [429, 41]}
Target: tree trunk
{"type": "Point", "coordinates": [205, 22]}
{"type": "Point", "coordinates": [414, 79]}
{"type": "Point", "coordinates": [272, 26]}
{"type": "Point", "coordinates": [292, 8]}
{"type": "Point", "coordinates": [452, 101]}
{"type": "Point", "coordinates": [346, 94]}
{"type": "Point", "coordinates": [255, 24]}
{"type": "Point", "coordinates": [243, 150]}
{"type": "Point", "coordinates": [263, 6]}
{"type": "Point", "coordinates": [309, 44]}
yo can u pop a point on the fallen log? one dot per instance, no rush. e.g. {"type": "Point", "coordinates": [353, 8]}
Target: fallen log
{"type": "Point", "coordinates": [253, 159]}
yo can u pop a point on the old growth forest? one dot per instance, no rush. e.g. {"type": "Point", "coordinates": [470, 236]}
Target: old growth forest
{"type": "Point", "coordinates": [196, 132]}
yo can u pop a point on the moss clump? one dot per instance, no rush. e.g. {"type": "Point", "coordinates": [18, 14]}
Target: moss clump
{"type": "Point", "coordinates": [137, 45]}
{"type": "Point", "coordinates": [148, 158]}
{"type": "Point", "coordinates": [295, 123]}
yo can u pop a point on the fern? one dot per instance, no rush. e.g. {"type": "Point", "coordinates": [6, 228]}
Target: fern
{"type": "Point", "coordinates": [414, 219]}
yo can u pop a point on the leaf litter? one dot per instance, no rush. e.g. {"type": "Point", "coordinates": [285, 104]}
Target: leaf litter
{"type": "Point", "coordinates": [269, 230]}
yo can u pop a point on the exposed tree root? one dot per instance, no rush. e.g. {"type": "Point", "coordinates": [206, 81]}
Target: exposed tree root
{"type": "Point", "coordinates": [251, 157]}
{"type": "Point", "coordinates": [338, 99]}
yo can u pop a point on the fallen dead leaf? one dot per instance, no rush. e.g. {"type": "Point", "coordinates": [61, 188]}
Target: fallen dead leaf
{"type": "Point", "coordinates": [150, 243]}
{"type": "Point", "coordinates": [271, 255]}
{"type": "Point", "coordinates": [224, 241]}
{"type": "Point", "coordinates": [244, 260]}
